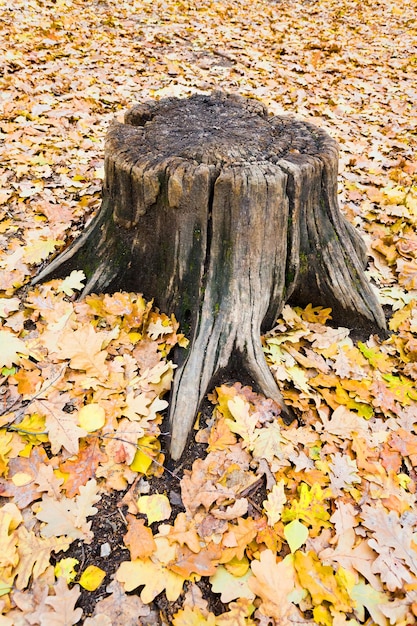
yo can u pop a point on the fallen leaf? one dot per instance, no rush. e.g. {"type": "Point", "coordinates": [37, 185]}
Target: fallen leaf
{"type": "Point", "coordinates": [139, 538]}
{"type": "Point", "coordinates": [92, 577]}
{"type": "Point", "coordinates": [296, 534]}
{"type": "Point", "coordinates": [273, 582]}
{"type": "Point", "coordinates": [12, 349]}
{"type": "Point", "coordinates": [63, 611]}
{"type": "Point", "coordinates": [155, 577]}
{"type": "Point", "coordinates": [155, 507]}
{"type": "Point", "coordinates": [231, 587]}
{"type": "Point", "coordinates": [91, 417]}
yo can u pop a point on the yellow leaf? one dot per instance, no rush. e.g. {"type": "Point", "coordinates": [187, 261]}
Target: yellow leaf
{"type": "Point", "coordinates": [321, 582]}
{"type": "Point", "coordinates": [40, 250]}
{"type": "Point", "coordinates": [71, 282]}
{"type": "Point", "coordinates": [244, 422]}
{"type": "Point", "coordinates": [6, 446]}
{"type": "Point", "coordinates": [11, 349]}
{"type": "Point", "coordinates": [154, 576]}
{"type": "Point", "coordinates": [311, 508]}
{"type": "Point", "coordinates": [193, 617]}
{"type": "Point", "coordinates": [91, 417]}
{"type": "Point", "coordinates": [92, 577]}
{"type": "Point", "coordinates": [274, 503]}
{"type": "Point", "coordinates": [296, 534]}
{"type": "Point", "coordinates": [148, 448]}
{"type": "Point", "coordinates": [21, 478]}
{"type": "Point", "coordinates": [65, 568]}
{"type": "Point", "coordinates": [231, 587]}
{"type": "Point", "coordinates": [237, 567]}
{"type": "Point", "coordinates": [314, 315]}
{"type": "Point", "coordinates": [155, 507]}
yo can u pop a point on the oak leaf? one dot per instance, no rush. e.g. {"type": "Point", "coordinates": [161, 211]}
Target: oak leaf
{"type": "Point", "coordinates": [8, 305]}
{"type": "Point", "coordinates": [343, 473]}
{"type": "Point", "coordinates": [69, 516]}
{"type": "Point", "coordinates": [193, 617]}
{"type": "Point", "coordinates": [83, 346]}
{"type": "Point", "coordinates": [379, 361]}
{"type": "Point", "coordinates": [62, 427]}
{"type": "Point", "coordinates": [10, 519]}
{"type": "Point", "coordinates": [121, 609]}
{"type": "Point", "coordinates": [72, 282]}
{"type": "Point", "coordinates": [199, 488]}
{"type": "Point", "coordinates": [63, 611]}
{"type": "Point", "coordinates": [231, 587]}
{"type": "Point", "coordinates": [237, 539]}
{"type": "Point", "coordinates": [82, 467]}
{"type": "Point", "coordinates": [238, 615]}
{"type": "Point", "coordinates": [35, 553]}
{"type": "Point", "coordinates": [393, 541]}
{"type": "Point", "coordinates": [203, 563]}
{"type": "Point", "coordinates": [407, 274]}
{"type": "Point", "coordinates": [40, 249]}
{"type": "Point", "coordinates": [220, 437]}
{"type": "Point", "coordinates": [155, 577]}
{"type": "Point", "coordinates": [310, 508]}
{"type": "Point", "coordinates": [366, 597]}
{"type": "Point", "coordinates": [273, 582]}
{"type": "Point", "coordinates": [405, 443]}
{"type": "Point", "coordinates": [354, 554]}
{"type": "Point", "coordinates": [269, 444]}
{"type": "Point", "coordinates": [28, 380]}
{"type": "Point", "coordinates": [321, 582]}
{"type": "Point", "coordinates": [12, 349]}
{"type": "Point", "coordinates": [238, 509]}
{"type": "Point", "coordinates": [27, 468]}
{"type": "Point", "coordinates": [274, 503]}
{"type": "Point", "coordinates": [183, 532]}
{"type": "Point", "coordinates": [139, 538]}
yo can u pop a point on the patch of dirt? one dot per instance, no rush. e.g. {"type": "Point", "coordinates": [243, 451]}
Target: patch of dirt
{"type": "Point", "coordinates": [109, 526]}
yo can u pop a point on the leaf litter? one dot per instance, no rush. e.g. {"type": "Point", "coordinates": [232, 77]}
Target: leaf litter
{"type": "Point", "coordinates": [263, 522]}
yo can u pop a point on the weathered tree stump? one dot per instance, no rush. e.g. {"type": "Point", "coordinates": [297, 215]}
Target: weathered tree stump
{"type": "Point", "coordinates": [222, 213]}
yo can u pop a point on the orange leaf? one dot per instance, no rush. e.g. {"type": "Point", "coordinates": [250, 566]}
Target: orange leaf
{"type": "Point", "coordinates": [83, 467]}
{"type": "Point", "coordinates": [139, 538]}
{"type": "Point", "coordinates": [236, 540]}
{"type": "Point", "coordinates": [184, 533]}
{"type": "Point", "coordinates": [220, 437]}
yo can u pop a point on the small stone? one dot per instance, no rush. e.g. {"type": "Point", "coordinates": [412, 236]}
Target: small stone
{"type": "Point", "coordinates": [105, 549]}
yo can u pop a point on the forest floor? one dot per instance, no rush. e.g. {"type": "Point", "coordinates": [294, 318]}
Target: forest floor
{"type": "Point", "coordinates": [261, 523]}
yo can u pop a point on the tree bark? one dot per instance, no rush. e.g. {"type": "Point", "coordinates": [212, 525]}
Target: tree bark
{"type": "Point", "coordinates": [222, 214]}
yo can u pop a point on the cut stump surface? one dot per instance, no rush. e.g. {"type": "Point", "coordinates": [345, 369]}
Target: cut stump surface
{"type": "Point", "coordinates": [222, 213]}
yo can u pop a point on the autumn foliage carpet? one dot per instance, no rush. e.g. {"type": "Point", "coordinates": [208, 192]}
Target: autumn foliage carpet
{"type": "Point", "coordinates": [312, 523]}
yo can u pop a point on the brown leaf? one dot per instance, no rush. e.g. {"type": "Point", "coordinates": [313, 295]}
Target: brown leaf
{"type": "Point", "coordinates": [121, 609]}
{"type": "Point", "coordinates": [62, 426]}
{"type": "Point", "coordinates": [203, 563]}
{"type": "Point", "coordinates": [63, 612]}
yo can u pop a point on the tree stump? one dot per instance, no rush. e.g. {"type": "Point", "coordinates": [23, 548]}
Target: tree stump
{"type": "Point", "coordinates": [222, 214]}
